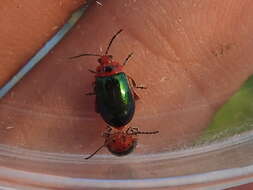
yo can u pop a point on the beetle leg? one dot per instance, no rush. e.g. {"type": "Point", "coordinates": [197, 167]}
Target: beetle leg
{"type": "Point", "coordinates": [134, 83]}
{"type": "Point", "coordinates": [107, 132]}
{"type": "Point", "coordinates": [135, 129]}
{"type": "Point", "coordinates": [141, 87]}
{"type": "Point", "coordinates": [136, 97]}
{"type": "Point", "coordinates": [90, 93]}
{"type": "Point", "coordinates": [128, 57]}
{"type": "Point", "coordinates": [108, 129]}
{"type": "Point", "coordinates": [92, 71]}
{"type": "Point", "coordinates": [132, 131]}
{"type": "Point", "coordinates": [129, 130]}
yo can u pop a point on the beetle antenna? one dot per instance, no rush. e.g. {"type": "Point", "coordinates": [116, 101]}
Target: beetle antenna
{"type": "Point", "coordinates": [110, 43]}
{"type": "Point", "coordinates": [105, 144]}
{"type": "Point", "coordinates": [95, 152]}
{"type": "Point", "coordinates": [86, 54]}
{"type": "Point", "coordinates": [127, 58]}
{"type": "Point", "coordinates": [147, 132]}
{"type": "Point", "coordinates": [135, 131]}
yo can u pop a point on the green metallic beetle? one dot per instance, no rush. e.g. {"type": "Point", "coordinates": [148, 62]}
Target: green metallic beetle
{"type": "Point", "coordinates": [115, 98]}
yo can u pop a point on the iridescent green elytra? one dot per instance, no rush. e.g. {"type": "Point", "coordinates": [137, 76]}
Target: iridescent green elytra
{"type": "Point", "coordinates": [114, 99]}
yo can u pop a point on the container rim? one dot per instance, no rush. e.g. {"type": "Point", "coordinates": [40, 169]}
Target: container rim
{"type": "Point", "coordinates": [55, 181]}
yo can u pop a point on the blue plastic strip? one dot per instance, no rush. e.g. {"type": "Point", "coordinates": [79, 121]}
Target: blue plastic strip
{"type": "Point", "coordinates": [43, 51]}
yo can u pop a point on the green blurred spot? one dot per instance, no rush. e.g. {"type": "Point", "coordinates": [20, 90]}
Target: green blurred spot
{"type": "Point", "coordinates": [234, 117]}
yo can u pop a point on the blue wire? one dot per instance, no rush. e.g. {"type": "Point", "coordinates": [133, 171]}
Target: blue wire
{"type": "Point", "coordinates": [43, 51]}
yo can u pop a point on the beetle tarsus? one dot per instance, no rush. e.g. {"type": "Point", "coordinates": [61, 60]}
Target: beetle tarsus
{"type": "Point", "coordinates": [141, 87]}
{"type": "Point", "coordinates": [134, 83]}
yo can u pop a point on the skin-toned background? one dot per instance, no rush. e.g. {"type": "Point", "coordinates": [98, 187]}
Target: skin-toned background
{"type": "Point", "coordinates": [192, 55]}
{"type": "Point", "coordinates": [25, 27]}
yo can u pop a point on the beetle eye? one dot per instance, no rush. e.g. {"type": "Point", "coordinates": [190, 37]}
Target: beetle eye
{"type": "Point", "coordinates": [100, 60]}
{"type": "Point", "coordinates": [108, 69]}
{"type": "Point", "coordinates": [110, 56]}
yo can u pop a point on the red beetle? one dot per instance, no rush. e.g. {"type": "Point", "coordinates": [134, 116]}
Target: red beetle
{"type": "Point", "coordinates": [121, 142]}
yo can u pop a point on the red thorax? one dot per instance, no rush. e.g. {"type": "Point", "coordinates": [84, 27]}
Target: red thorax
{"type": "Point", "coordinates": [107, 66]}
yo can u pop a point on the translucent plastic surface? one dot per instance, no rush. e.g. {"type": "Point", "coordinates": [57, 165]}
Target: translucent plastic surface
{"type": "Point", "coordinates": [217, 166]}
{"type": "Point", "coordinates": [52, 156]}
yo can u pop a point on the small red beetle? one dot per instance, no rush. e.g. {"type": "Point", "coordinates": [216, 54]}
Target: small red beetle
{"type": "Point", "coordinates": [122, 141]}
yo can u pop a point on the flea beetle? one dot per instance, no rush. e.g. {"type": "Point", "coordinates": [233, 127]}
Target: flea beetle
{"type": "Point", "coordinates": [115, 97]}
{"type": "Point", "coordinates": [122, 141]}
